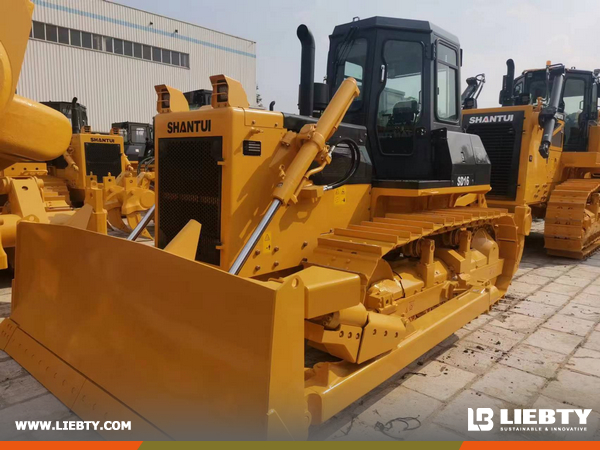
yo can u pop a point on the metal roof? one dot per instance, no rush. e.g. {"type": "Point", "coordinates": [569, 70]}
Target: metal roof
{"type": "Point", "coordinates": [394, 23]}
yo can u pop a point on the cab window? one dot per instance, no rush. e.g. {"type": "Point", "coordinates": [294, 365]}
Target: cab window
{"type": "Point", "coordinates": [139, 135]}
{"type": "Point", "coordinates": [399, 105]}
{"type": "Point", "coordinates": [574, 93]}
{"type": "Point", "coordinates": [538, 86]}
{"type": "Point", "coordinates": [352, 59]}
{"type": "Point", "coordinates": [518, 90]}
{"type": "Point", "coordinates": [447, 70]}
{"type": "Point", "coordinates": [575, 120]}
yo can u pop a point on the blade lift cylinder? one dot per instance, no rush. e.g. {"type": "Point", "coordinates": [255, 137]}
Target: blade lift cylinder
{"type": "Point", "coordinates": [547, 116]}
{"type": "Point", "coordinates": [296, 176]}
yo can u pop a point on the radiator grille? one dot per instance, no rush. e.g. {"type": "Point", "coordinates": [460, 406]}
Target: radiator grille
{"type": "Point", "coordinates": [100, 159]}
{"type": "Point", "coordinates": [189, 187]}
{"type": "Point", "coordinates": [502, 146]}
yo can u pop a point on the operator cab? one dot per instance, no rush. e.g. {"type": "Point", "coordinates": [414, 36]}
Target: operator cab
{"type": "Point", "coordinates": [578, 104]}
{"type": "Point", "coordinates": [67, 109]}
{"type": "Point", "coordinates": [136, 138]}
{"type": "Point", "coordinates": [408, 72]}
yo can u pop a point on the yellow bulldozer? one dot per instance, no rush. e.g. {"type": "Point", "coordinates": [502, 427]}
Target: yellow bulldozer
{"type": "Point", "coordinates": [544, 145]}
{"type": "Point", "coordinates": [98, 161]}
{"type": "Point", "coordinates": [370, 240]}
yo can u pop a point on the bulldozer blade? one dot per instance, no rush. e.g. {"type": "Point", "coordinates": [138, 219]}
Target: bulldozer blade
{"type": "Point", "coordinates": [192, 352]}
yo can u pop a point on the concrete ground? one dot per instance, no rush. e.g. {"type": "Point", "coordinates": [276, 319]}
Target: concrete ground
{"type": "Point", "coordinates": [538, 348]}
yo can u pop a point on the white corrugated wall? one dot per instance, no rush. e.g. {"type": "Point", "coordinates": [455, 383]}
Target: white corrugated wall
{"type": "Point", "coordinates": [119, 88]}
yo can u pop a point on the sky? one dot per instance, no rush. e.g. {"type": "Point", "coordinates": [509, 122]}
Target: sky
{"type": "Point", "coordinates": [491, 31]}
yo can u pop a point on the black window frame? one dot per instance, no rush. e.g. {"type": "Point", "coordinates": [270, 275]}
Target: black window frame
{"type": "Point", "coordinates": [149, 48]}
{"type": "Point", "coordinates": [108, 48]}
{"type": "Point", "coordinates": [585, 111]}
{"type": "Point", "coordinates": [186, 57]}
{"type": "Point", "coordinates": [92, 41]}
{"type": "Point", "coordinates": [358, 102]}
{"type": "Point", "coordinates": [595, 104]}
{"type": "Point", "coordinates": [424, 61]}
{"type": "Point", "coordinates": [178, 63]}
{"type": "Point", "coordinates": [95, 41]}
{"type": "Point", "coordinates": [519, 81]}
{"type": "Point", "coordinates": [587, 89]}
{"type": "Point", "coordinates": [128, 48]}
{"type": "Point", "coordinates": [86, 36]}
{"type": "Point", "coordinates": [168, 54]}
{"type": "Point", "coordinates": [51, 30]}
{"type": "Point", "coordinates": [38, 27]}
{"type": "Point", "coordinates": [156, 51]}
{"type": "Point", "coordinates": [456, 81]}
{"type": "Point", "coordinates": [118, 46]}
{"type": "Point", "coordinates": [75, 34]}
{"type": "Point", "coordinates": [62, 33]}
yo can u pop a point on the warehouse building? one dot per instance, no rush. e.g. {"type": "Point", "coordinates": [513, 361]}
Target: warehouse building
{"type": "Point", "coordinates": [111, 56]}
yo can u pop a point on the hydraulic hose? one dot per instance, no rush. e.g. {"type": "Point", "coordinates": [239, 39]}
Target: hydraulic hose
{"type": "Point", "coordinates": [355, 150]}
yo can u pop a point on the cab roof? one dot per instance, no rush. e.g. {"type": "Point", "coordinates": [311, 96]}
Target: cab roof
{"type": "Point", "coordinates": [422, 26]}
{"type": "Point", "coordinates": [575, 71]}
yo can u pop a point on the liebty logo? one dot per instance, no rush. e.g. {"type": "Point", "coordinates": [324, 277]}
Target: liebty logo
{"type": "Point", "coordinates": [483, 415]}
{"type": "Point", "coordinates": [481, 419]}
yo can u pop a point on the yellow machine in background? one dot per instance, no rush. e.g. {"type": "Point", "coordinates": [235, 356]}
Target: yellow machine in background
{"type": "Point", "coordinates": [274, 230]}
{"type": "Point", "coordinates": [98, 161]}
{"type": "Point", "coordinates": [30, 133]}
{"type": "Point", "coordinates": [90, 154]}
{"type": "Point", "coordinates": [544, 144]}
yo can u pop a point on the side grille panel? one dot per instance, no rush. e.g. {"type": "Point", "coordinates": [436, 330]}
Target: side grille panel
{"type": "Point", "coordinates": [189, 187]}
{"type": "Point", "coordinates": [502, 142]}
{"type": "Point", "coordinates": [102, 159]}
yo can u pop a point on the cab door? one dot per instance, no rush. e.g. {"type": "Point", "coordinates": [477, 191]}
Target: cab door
{"type": "Point", "coordinates": [399, 106]}
{"type": "Point", "coordinates": [576, 106]}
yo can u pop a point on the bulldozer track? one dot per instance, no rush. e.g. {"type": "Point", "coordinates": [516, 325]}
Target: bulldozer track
{"type": "Point", "coordinates": [572, 226]}
{"type": "Point", "coordinates": [384, 234]}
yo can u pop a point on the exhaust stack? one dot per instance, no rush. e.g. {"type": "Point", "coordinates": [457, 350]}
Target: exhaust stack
{"type": "Point", "coordinates": [307, 71]}
{"type": "Point", "coordinates": [508, 83]}
{"type": "Point", "coordinates": [75, 116]}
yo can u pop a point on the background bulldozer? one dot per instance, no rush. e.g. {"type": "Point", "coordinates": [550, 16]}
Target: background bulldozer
{"type": "Point", "coordinates": [544, 145]}
{"type": "Point", "coordinates": [98, 161]}
{"type": "Point", "coordinates": [370, 240]}
{"type": "Point", "coordinates": [137, 137]}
